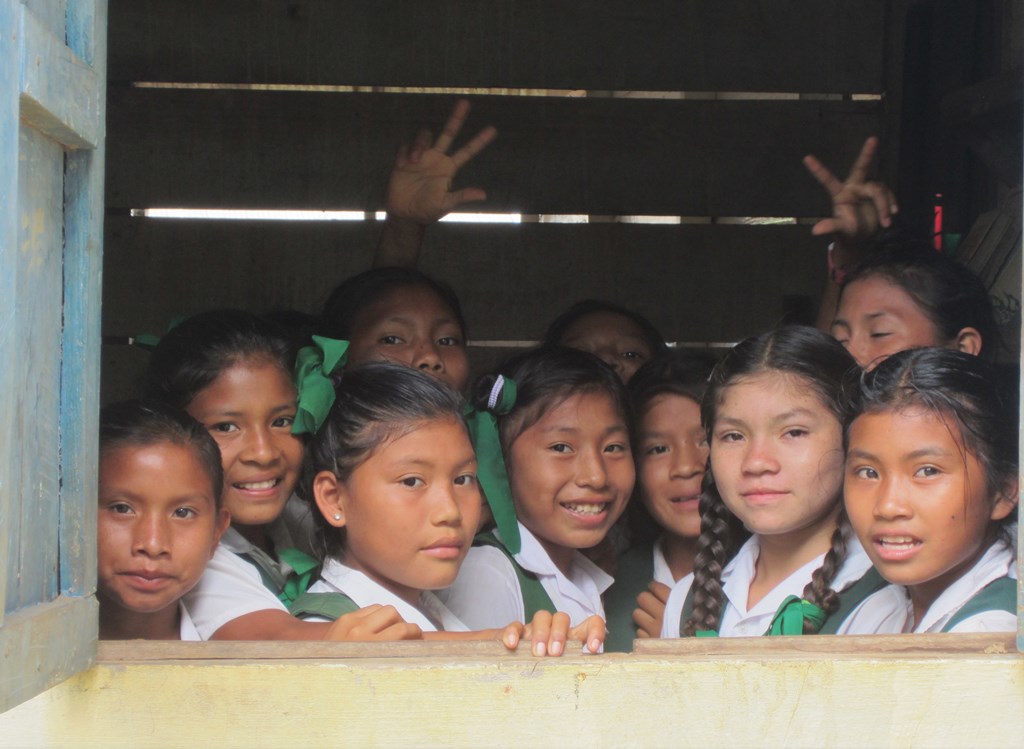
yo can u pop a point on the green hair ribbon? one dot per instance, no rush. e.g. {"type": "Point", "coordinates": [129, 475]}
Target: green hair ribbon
{"type": "Point", "coordinates": [789, 617]}
{"type": "Point", "coordinates": [493, 476]}
{"type": "Point", "coordinates": [314, 366]}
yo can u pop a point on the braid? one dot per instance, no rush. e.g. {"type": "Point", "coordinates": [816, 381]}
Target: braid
{"type": "Point", "coordinates": [819, 590]}
{"type": "Point", "coordinates": [714, 547]}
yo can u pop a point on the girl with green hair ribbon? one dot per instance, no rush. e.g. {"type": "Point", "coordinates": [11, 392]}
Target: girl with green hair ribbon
{"type": "Point", "coordinates": [551, 433]}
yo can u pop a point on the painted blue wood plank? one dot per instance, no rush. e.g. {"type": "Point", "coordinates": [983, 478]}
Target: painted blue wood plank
{"type": "Point", "coordinates": [82, 32]}
{"type": "Point", "coordinates": [9, 390]}
{"type": "Point", "coordinates": [60, 93]}
{"type": "Point", "coordinates": [80, 365]}
{"type": "Point", "coordinates": [36, 358]}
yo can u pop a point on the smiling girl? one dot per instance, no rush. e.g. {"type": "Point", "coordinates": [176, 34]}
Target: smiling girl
{"type": "Point", "coordinates": [931, 484]}
{"type": "Point", "coordinates": [564, 423]}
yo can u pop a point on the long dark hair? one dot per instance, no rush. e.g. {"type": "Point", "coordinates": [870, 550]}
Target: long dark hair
{"type": "Point", "coordinates": [822, 365]}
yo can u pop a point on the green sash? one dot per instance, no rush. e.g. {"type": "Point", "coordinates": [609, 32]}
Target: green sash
{"type": "Point", "coordinates": [327, 605]}
{"type": "Point", "coordinates": [852, 597]}
{"type": "Point", "coordinates": [535, 598]}
{"type": "Point", "coordinates": [633, 574]}
{"type": "Point", "coordinates": [305, 571]}
{"type": "Point", "coordinates": [998, 595]}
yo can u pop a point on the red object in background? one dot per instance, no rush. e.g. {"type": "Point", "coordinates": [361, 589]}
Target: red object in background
{"type": "Point", "coordinates": [937, 223]}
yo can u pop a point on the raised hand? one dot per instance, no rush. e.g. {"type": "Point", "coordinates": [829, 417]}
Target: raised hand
{"type": "Point", "coordinates": [859, 207]}
{"type": "Point", "coordinates": [420, 185]}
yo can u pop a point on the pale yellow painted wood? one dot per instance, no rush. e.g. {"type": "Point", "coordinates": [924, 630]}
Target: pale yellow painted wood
{"type": "Point", "coordinates": [44, 644]}
{"type": "Point", "coordinates": [866, 697]}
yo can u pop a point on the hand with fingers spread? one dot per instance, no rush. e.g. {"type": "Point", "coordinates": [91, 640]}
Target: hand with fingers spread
{"type": "Point", "coordinates": [420, 188]}
{"type": "Point", "coordinates": [860, 208]}
{"type": "Point", "coordinates": [549, 632]}
{"type": "Point", "coordinates": [420, 185]}
{"type": "Point", "coordinates": [374, 623]}
{"type": "Point", "coordinates": [650, 610]}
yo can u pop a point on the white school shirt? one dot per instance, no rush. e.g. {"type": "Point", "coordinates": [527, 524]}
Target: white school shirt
{"type": "Point", "coordinates": [431, 615]}
{"type": "Point", "coordinates": [230, 587]}
{"type": "Point", "coordinates": [890, 611]}
{"type": "Point", "coordinates": [486, 594]}
{"type": "Point", "coordinates": [187, 630]}
{"type": "Point", "coordinates": [736, 620]}
{"type": "Point", "coordinates": [662, 573]}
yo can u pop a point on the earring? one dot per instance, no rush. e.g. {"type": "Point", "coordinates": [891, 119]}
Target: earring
{"type": "Point", "coordinates": [337, 516]}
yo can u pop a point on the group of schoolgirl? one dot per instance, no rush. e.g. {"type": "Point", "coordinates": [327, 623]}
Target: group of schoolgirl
{"type": "Point", "coordinates": [357, 496]}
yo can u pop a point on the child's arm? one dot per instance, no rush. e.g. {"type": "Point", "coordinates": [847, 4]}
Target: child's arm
{"type": "Point", "coordinates": [373, 623]}
{"type": "Point", "coordinates": [860, 209]}
{"type": "Point", "coordinates": [420, 188]}
{"type": "Point", "coordinates": [650, 611]}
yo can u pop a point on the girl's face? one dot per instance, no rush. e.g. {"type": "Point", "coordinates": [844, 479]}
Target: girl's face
{"type": "Point", "coordinates": [777, 455]}
{"type": "Point", "coordinates": [410, 510]}
{"type": "Point", "coordinates": [249, 410]}
{"type": "Point", "coordinates": [876, 318]}
{"type": "Point", "coordinates": [571, 473]}
{"type": "Point", "coordinates": [158, 525]}
{"type": "Point", "coordinates": [917, 499]}
{"type": "Point", "coordinates": [616, 340]}
{"type": "Point", "coordinates": [411, 325]}
{"type": "Point", "coordinates": [672, 461]}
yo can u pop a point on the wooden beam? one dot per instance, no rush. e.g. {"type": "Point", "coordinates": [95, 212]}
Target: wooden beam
{"type": "Point", "coordinates": [59, 91]}
{"type": "Point", "coordinates": [816, 46]}
{"type": "Point", "coordinates": [695, 282]}
{"type": "Point", "coordinates": [252, 149]}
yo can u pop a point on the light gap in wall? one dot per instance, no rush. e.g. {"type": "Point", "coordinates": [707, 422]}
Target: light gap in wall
{"type": "Point", "coordinates": [508, 343]}
{"type": "Point", "coordinates": [495, 91]}
{"type": "Point", "coordinates": [245, 214]}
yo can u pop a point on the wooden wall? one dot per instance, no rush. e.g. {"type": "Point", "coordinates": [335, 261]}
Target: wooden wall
{"type": "Point", "coordinates": [703, 156]}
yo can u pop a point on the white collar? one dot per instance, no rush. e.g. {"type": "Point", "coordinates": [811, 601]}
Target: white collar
{"type": "Point", "coordinates": [662, 572]}
{"type": "Point", "coordinates": [996, 562]}
{"type": "Point", "coordinates": [739, 573]}
{"type": "Point", "coordinates": [534, 558]}
{"type": "Point", "coordinates": [431, 615]}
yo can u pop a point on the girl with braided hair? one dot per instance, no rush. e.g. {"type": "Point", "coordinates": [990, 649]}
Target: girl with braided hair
{"type": "Point", "coordinates": [773, 412]}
